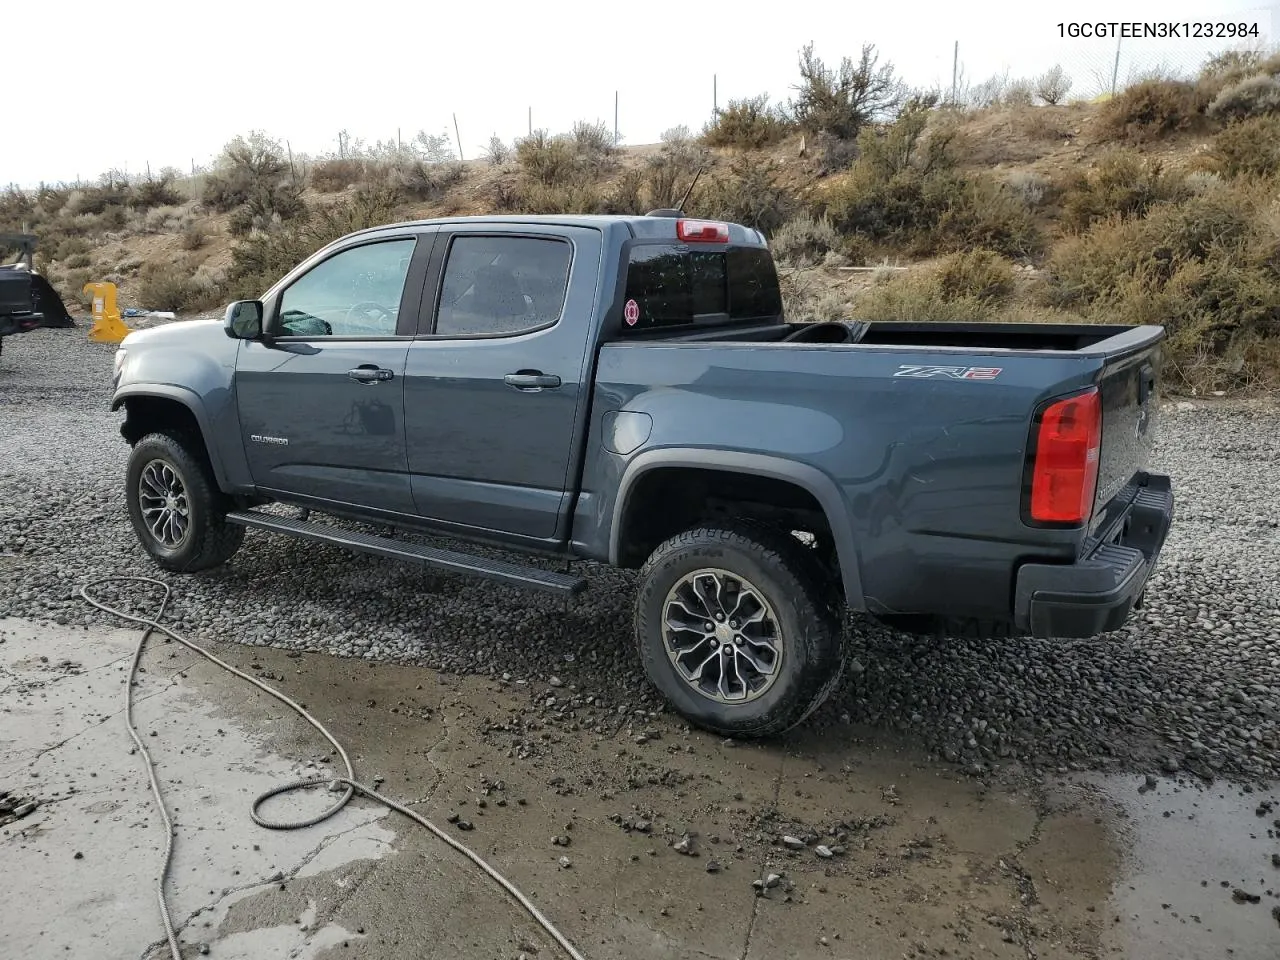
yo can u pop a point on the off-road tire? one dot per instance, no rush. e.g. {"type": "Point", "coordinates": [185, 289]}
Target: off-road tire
{"type": "Point", "coordinates": [211, 540]}
{"type": "Point", "coordinates": [808, 616]}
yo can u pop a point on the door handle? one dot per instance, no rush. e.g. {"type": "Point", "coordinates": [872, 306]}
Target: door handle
{"type": "Point", "coordinates": [370, 374]}
{"type": "Point", "coordinates": [531, 380]}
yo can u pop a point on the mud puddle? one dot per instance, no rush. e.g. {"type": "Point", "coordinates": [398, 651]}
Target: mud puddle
{"type": "Point", "coordinates": [638, 836]}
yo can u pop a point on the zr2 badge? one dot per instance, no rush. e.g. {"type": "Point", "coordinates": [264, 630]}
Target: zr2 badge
{"type": "Point", "coordinates": [920, 372]}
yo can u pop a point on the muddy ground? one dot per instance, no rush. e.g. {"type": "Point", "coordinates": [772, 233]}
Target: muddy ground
{"type": "Point", "coordinates": [933, 864]}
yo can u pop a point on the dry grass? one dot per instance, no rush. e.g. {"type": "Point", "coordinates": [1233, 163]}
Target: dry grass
{"type": "Point", "coordinates": [973, 286]}
{"type": "Point", "coordinates": [172, 286]}
{"type": "Point", "coordinates": [750, 193]}
{"type": "Point", "coordinates": [1248, 148]}
{"type": "Point", "coordinates": [1205, 268]}
{"type": "Point", "coordinates": [808, 296]}
{"type": "Point", "coordinates": [1255, 96]}
{"type": "Point", "coordinates": [337, 174]}
{"type": "Point", "coordinates": [193, 237]}
{"type": "Point", "coordinates": [1122, 183]}
{"type": "Point", "coordinates": [905, 193]}
{"type": "Point", "coordinates": [562, 159]}
{"type": "Point", "coordinates": [752, 123]}
{"type": "Point", "coordinates": [1153, 109]}
{"type": "Point", "coordinates": [804, 240]}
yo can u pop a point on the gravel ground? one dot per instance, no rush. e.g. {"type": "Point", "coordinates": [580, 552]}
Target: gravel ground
{"type": "Point", "coordinates": [1192, 682]}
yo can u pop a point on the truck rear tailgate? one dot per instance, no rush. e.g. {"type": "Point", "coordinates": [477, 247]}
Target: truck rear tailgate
{"type": "Point", "coordinates": [1129, 387]}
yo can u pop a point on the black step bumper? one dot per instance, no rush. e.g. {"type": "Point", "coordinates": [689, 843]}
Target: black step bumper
{"type": "Point", "coordinates": [1097, 593]}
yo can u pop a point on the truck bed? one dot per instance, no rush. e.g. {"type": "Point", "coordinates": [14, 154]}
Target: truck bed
{"type": "Point", "coordinates": [987, 336]}
{"type": "Point", "coordinates": [1062, 337]}
{"type": "Point", "coordinates": [924, 427]}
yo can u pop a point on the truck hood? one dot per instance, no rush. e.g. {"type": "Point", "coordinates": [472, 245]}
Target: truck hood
{"type": "Point", "coordinates": [179, 333]}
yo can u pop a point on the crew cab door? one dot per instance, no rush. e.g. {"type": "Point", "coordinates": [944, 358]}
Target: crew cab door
{"type": "Point", "coordinates": [495, 390]}
{"type": "Point", "coordinates": [321, 397]}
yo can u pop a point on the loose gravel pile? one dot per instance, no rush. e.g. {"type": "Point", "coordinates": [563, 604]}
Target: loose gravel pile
{"type": "Point", "coordinates": [1192, 682]}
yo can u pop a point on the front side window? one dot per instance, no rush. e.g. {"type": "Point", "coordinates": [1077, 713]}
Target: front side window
{"type": "Point", "coordinates": [502, 285]}
{"type": "Point", "coordinates": [355, 293]}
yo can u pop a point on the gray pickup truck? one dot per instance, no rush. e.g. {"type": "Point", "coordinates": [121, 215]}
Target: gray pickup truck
{"type": "Point", "coordinates": [626, 390]}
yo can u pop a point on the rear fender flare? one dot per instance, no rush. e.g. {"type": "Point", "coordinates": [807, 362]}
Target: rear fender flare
{"type": "Point", "coordinates": [184, 397]}
{"type": "Point", "coordinates": [820, 486]}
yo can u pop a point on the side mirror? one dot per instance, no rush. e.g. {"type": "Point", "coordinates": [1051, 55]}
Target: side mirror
{"type": "Point", "coordinates": [243, 320]}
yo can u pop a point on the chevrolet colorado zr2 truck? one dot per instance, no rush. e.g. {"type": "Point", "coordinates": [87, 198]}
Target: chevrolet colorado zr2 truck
{"type": "Point", "coordinates": [627, 390]}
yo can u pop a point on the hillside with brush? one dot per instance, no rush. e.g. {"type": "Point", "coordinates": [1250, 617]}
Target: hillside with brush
{"type": "Point", "coordinates": [1158, 205]}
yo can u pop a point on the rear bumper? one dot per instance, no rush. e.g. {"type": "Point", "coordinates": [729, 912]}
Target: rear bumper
{"type": "Point", "coordinates": [1097, 593]}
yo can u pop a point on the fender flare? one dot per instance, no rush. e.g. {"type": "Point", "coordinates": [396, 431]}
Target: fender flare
{"type": "Point", "coordinates": [186, 398]}
{"type": "Point", "coordinates": [809, 478]}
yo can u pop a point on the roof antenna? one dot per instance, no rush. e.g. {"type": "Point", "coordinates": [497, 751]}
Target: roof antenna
{"type": "Point", "coordinates": [678, 210]}
{"type": "Point", "coordinates": [685, 198]}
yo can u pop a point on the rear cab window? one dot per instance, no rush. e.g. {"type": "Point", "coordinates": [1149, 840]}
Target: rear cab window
{"type": "Point", "coordinates": [673, 285]}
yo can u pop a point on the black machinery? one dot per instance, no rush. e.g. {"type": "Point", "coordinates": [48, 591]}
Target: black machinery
{"type": "Point", "coordinates": [27, 300]}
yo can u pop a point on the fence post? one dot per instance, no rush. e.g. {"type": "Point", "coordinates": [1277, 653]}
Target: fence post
{"type": "Point", "coordinates": [531, 121]}
{"type": "Point", "coordinates": [615, 118]}
{"type": "Point", "coordinates": [459, 136]}
{"type": "Point", "coordinates": [955, 75]}
{"type": "Point", "coordinates": [715, 98]}
{"type": "Point", "coordinates": [1115, 70]}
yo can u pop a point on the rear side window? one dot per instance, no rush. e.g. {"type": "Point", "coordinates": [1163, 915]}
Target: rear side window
{"type": "Point", "coordinates": [502, 285]}
{"type": "Point", "coordinates": [673, 285]}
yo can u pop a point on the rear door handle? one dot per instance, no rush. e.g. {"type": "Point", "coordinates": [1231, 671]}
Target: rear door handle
{"type": "Point", "coordinates": [367, 373]}
{"type": "Point", "coordinates": [531, 380]}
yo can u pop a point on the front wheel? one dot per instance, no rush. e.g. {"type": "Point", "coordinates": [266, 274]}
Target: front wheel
{"type": "Point", "coordinates": [735, 629]}
{"type": "Point", "coordinates": [177, 510]}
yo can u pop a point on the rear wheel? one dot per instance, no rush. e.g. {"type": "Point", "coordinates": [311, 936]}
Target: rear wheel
{"type": "Point", "coordinates": [177, 510]}
{"type": "Point", "coordinates": [735, 628]}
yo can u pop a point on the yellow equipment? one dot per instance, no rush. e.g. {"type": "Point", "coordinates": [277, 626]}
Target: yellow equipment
{"type": "Point", "coordinates": [107, 325]}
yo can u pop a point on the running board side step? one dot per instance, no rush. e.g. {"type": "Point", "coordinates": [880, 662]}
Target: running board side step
{"type": "Point", "coordinates": [513, 574]}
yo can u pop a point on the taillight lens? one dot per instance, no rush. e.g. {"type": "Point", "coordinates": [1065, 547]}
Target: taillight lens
{"type": "Point", "coordinates": [702, 231]}
{"type": "Point", "coordinates": [1064, 476]}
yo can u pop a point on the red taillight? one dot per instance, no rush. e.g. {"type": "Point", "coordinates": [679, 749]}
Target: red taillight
{"type": "Point", "coordinates": [702, 231]}
{"type": "Point", "coordinates": [1065, 473]}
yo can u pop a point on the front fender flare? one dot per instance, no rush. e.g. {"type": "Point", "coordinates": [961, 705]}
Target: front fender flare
{"type": "Point", "coordinates": [187, 398]}
{"type": "Point", "coordinates": [820, 486]}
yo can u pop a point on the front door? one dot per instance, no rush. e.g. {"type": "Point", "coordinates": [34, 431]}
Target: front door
{"type": "Point", "coordinates": [321, 398]}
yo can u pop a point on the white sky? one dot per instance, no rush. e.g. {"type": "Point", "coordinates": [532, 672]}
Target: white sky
{"type": "Point", "coordinates": [168, 82]}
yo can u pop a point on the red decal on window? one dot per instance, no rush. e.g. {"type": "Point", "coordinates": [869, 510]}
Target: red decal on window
{"type": "Point", "coordinates": [631, 313]}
